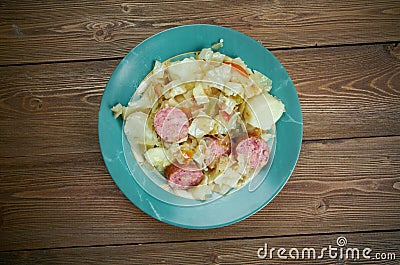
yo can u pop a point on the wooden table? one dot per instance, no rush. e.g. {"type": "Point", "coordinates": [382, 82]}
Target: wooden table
{"type": "Point", "coordinates": [59, 204]}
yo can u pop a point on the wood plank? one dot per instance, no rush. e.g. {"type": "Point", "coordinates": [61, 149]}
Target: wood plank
{"type": "Point", "coordinates": [70, 200]}
{"type": "Point", "coordinates": [344, 92]}
{"type": "Point", "coordinates": [77, 30]}
{"type": "Point", "coordinates": [230, 252]}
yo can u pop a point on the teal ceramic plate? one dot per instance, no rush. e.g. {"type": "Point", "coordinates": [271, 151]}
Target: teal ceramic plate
{"type": "Point", "coordinates": [131, 71]}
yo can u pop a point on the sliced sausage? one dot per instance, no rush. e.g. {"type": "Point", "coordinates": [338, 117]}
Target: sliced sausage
{"type": "Point", "coordinates": [183, 177]}
{"type": "Point", "coordinates": [171, 124]}
{"type": "Point", "coordinates": [255, 150]}
{"type": "Point", "coordinates": [215, 149]}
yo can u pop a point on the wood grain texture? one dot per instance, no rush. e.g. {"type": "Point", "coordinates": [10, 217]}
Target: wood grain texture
{"type": "Point", "coordinates": [344, 92]}
{"type": "Point", "coordinates": [221, 252]}
{"type": "Point", "coordinates": [77, 30]}
{"type": "Point", "coordinates": [356, 92]}
{"type": "Point", "coordinates": [58, 203]}
{"type": "Point", "coordinates": [70, 200]}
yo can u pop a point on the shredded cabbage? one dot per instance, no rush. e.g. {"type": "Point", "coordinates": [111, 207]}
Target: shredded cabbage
{"type": "Point", "coordinates": [199, 94]}
{"type": "Point", "coordinates": [201, 125]}
{"type": "Point", "coordinates": [219, 75]}
{"type": "Point", "coordinates": [174, 91]}
{"type": "Point", "coordinates": [262, 81]}
{"type": "Point", "coordinates": [218, 45]}
{"type": "Point", "coordinates": [157, 157]}
{"type": "Point", "coordinates": [275, 105]}
{"type": "Point", "coordinates": [138, 130]}
{"type": "Point", "coordinates": [208, 55]}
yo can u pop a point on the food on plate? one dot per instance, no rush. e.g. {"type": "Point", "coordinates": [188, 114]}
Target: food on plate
{"type": "Point", "coordinates": [183, 176]}
{"type": "Point", "coordinates": [215, 148]}
{"type": "Point", "coordinates": [171, 124]}
{"type": "Point", "coordinates": [206, 122]}
{"type": "Point", "coordinates": [254, 149]}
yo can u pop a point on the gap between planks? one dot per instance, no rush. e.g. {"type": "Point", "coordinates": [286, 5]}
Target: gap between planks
{"type": "Point", "coordinates": [294, 48]}
{"type": "Point", "coordinates": [209, 240]}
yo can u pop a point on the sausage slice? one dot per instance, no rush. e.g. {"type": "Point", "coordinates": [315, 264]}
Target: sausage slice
{"type": "Point", "coordinates": [255, 149]}
{"type": "Point", "coordinates": [215, 149]}
{"type": "Point", "coordinates": [171, 124]}
{"type": "Point", "coordinates": [183, 178]}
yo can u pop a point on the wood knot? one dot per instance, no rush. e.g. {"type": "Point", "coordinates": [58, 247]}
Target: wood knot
{"type": "Point", "coordinates": [125, 8]}
{"type": "Point", "coordinates": [321, 206]}
{"type": "Point", "coordinates": [394, 49]}
{"type": "Point", "coordinates": [17, 30]}
{"type": "Point", "coordinates": [214, 258]}
{"type": "Point", "coordinates": [374, 185]}
{"type": "Point", "coordinates": [35, 104]}
{"type": "Point", "coordinates": [103, 31]}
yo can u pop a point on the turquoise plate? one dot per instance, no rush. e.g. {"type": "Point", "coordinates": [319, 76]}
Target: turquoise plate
{"type": "Point", "coordinates": [131, 71]}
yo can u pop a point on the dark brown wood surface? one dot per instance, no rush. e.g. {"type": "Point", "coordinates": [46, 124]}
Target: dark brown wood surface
{"type": "Point", "coordinates": [70, 200]}
{"type": "Point", "coordinates": [58, 203]}
{"type": "Point", "coordinates": [77, 30]}
{"type": "Point", "coordinates": [227, 252]}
